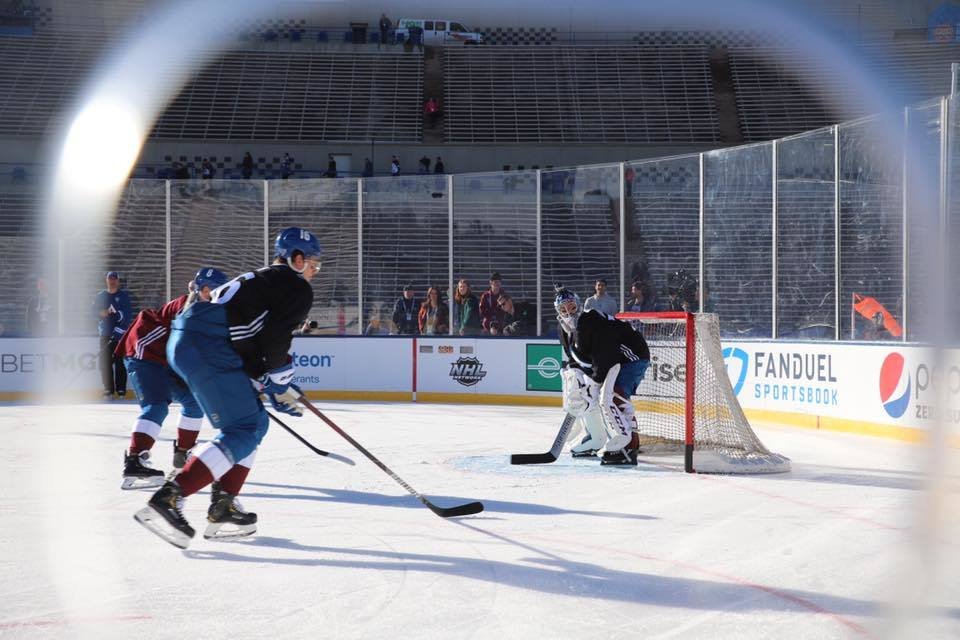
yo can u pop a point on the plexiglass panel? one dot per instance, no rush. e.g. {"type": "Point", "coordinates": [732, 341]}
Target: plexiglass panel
{"type": "Point", "coordinates": [328, 208]}
{"type": "Point", "coordinates": [580, 218]}
{"type": "Point", "coordinates": [871, 229]}
{"type": "Point", "coordinates": [806, 256]}
{"type": "Point", "coordinates": [738, 235]}
{"type": "Point", "coordinates": [495, 230]}
{"type": "Point", "coordinates": [405, 222]}
{"type": "Point", "coordinates": [662, 242]}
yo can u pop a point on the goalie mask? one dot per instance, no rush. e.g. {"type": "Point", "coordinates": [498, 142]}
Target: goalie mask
{"type": "Point", "coordinates": [567, 304]}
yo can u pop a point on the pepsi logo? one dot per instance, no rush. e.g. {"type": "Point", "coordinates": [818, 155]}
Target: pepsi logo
{"type": "Point", "coordinates": [894, 385]}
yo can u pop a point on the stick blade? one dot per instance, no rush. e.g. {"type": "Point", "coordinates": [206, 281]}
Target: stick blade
{"type": "Point", "coordinates": [532, 458]}
{"type": "Point", "coordinates": [340, 458]}
{"type": "Point", "coordinates": [467, 509]}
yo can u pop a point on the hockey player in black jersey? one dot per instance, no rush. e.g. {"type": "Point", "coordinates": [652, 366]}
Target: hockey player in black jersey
{"type": "Point", "coordinates": [217, 347]}
{"type": "Point", "coordinates": [606, 360]}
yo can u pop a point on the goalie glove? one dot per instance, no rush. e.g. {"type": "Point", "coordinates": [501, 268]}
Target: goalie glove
{"type": "Point", "coordinates": [279, 387]}
{"type": "Point", "coordinates": [580, 392]}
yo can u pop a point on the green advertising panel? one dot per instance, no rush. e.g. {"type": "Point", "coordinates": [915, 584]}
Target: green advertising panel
{"type": "Point", "coordinates": [543, 367]}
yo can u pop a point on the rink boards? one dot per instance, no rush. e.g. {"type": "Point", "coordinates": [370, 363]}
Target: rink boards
{"type": "Point", "coordinates": [893, 390]}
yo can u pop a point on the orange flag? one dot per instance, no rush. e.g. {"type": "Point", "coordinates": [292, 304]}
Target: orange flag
{"type": "Point", "coordinates": [869, 307]}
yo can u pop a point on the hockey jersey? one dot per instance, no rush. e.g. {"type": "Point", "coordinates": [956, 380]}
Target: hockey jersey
{"type": "Point", "coordinates": [263, 309]}
{"type": "Point", "coordinates": [601, 341]}
{"type": "Point", "coordinates": [146, 337]}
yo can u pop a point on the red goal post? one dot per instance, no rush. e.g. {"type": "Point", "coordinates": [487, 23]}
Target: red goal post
{"type": "Point", "coordinates": [685, 403]}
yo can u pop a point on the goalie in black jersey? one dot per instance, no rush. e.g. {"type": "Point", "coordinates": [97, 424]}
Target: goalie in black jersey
{"type": "Point", "coordinates": [606, 360]}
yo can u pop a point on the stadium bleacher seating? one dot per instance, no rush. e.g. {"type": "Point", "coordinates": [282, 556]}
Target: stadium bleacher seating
{"type": "Point", "coordinates": [304, 95]}
{"type": "Point", "coordinates": [579, 94]}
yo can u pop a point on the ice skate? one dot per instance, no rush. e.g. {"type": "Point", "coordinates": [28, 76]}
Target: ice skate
{"type": "Point", "coordinates": [589, 453]}
{"type": "Point", "coordinates": [179, 460]}
{"type": "Point", "coordinates": [137, 472]}
{"type": "Point", "coordinates": [620, 458]}
{"type": "Point", "coordinates": [226, 516]}
{"type": "Point", "coordinates": [163, 516]}
{"type": "Point", "coordinates": [625, 457]}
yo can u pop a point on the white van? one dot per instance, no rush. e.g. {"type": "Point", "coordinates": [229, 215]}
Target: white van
{"type": "Point", "coordinates": [438, 32]}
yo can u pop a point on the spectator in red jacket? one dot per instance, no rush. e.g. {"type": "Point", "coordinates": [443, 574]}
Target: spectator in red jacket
{"type": "Point", "coordinates": [491, 314]}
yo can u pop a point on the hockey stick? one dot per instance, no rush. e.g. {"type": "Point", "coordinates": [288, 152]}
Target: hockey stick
{"type": "Point", "coordinates": [466, 509]}
{"type": "Point", "coordinates": [332, 456]}
{"type": "Point", "coordinates": [549, 456]}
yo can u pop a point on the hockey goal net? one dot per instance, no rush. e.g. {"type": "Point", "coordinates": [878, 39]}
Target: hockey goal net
{"type": "Point", "coordinates": [685, 402]}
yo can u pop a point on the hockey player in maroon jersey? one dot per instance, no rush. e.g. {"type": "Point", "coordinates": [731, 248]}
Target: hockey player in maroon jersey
{"type": "Point", "coordinates": [607, 359]}
{"type": "Point", "coordinates": [144, 350]}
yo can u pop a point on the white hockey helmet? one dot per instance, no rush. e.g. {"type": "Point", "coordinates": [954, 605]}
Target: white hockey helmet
{"type": "Point", "coordinates": [567, 304]}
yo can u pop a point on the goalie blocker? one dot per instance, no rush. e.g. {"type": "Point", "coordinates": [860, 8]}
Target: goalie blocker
{"type": "Point", "coordinates": [686, 403]}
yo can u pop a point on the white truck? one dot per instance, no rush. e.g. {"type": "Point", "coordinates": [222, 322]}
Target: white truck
{"type": "Point", "coordinates": [438, 32]}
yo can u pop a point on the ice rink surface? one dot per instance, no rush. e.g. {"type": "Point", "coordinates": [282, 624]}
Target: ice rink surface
{"type": "Point", "coordinates": [568, 550]}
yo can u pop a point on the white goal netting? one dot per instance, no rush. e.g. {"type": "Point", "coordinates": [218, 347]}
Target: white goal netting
{"type": "Point", "coordinates": [708, 424]}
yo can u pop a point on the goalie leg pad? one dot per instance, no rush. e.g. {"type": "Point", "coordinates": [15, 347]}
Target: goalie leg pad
{"type": "Point", "coordinates": [596, 433]}
{"type": "Point", "coordinates": [617, 411]}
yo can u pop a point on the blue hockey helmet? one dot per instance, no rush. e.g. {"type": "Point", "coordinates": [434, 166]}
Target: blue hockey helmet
{"type": "Point", "coordinates": [567, 304]}
{"type": "Point", "coordinates": [209, 277]}
{"type": "Point", "coordinates": [294, 239]}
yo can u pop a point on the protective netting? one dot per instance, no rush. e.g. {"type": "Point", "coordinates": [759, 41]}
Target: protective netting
{"type": "Point", "coordinates": [723, 440]}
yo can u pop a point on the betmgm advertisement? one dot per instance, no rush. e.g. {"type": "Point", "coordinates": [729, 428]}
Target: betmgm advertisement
{"type": "Point", "coordinates": [899, 385]}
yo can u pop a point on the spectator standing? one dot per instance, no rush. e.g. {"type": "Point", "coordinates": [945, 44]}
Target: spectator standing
{"type": "Point", "coordinates": [519, 319]}
{"type": "Point", "coordinates": [377, 325]}
{"type": "Point", "coordinates": [639, 300]}
{"type": "Point", "coordinates": [468, 310]}
{"type": "Point", "coordinates": [114, 312]}
{"type": "Point", "coordinates": [394, 166]}
{"type": "Point", "coordinates": [416, 37]}
{"type": "Point", "coordinates": [39, 320]}
{"type": "Point", "coordinates": [405, 312]}
{"type": "Point", "coordinates": [438, 166]}
{"type": "Point", "coordinates": [434, 318]}
{"type": "Point", "coordinates": [367, 168]}
{"type": "Point", "coordinates": [206, 169]}
{"type": "Point", "coordinates": [431, 109]}
{"type": "Point", "coordinates": [491, 315]}
{"type": "Point", "coordinates": [286, 166]}
{"type": "Point", "coordinates": [246, 166]}
{"type": "Point", "coordinates": [424, 165]}
{"type": "Point", "coordinates": [180, 171]}
{"type": "Point", "coordinates": [385, 25]}
{"type": "Point", "coordinates": [331, 166]}
{"type": "Point", "coordinates": [601, 301]}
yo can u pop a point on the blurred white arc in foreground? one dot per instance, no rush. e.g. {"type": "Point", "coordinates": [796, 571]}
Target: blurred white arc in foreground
{"type": "Point", "coordinates": [101, 147]}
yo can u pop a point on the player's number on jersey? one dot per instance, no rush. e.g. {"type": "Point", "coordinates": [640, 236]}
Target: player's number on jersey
{"type": "Point", "coordinates": [223, 293]}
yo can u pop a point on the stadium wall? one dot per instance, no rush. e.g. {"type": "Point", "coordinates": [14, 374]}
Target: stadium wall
{"type": "Point", "coordinates": [879, 390]}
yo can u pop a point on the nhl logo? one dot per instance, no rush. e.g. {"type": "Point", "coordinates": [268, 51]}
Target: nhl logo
{"type": "Point", "coordinates": [467, 371]}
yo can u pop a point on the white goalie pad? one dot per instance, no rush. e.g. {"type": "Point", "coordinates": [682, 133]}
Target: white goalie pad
{"type": "Point", "coordinates": [580, 392]}
{"type": "Point", "coordinates": [617, 412]}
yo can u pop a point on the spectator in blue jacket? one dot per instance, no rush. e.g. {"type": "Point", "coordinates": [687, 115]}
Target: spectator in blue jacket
{"type": "Point", "coordinates": [114, 312]}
